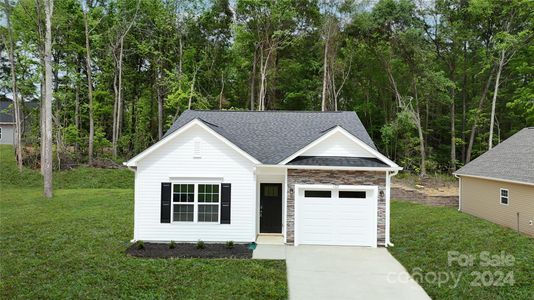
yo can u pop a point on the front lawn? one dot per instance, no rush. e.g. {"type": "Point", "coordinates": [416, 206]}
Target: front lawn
{"type": "Point", "coordinates": [425, 236]}
{"type": "Point", "coordinates": [73, 246]}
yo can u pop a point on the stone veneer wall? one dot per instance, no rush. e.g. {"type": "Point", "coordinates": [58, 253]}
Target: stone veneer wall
{"type": "Point", "coordinates": [336, 177]}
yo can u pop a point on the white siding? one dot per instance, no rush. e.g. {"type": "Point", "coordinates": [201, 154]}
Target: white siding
{"type": "Point", "coordinates": [337, 145]}
{"type": "Point", "coordinates": [176, 159]}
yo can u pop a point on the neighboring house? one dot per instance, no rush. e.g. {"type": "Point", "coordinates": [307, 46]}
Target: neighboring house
{"type": "Point", "coordinates": [300, 177]}
{"type": "Point", "coordinates": [7, 123]}
{"type": "Point", "coordinates": [499, 185]}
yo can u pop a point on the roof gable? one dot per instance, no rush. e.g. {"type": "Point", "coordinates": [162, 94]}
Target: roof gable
{"type": "Point", "coordinates": [272, 136]}
{"type": "Point", "coordinates": [512, 159]}
{"type": "Point", "coordinates": [193, 123]}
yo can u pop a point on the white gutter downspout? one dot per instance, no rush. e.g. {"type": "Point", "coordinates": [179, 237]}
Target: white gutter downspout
{"type": "Point", "coordinates": [388, 206]}
{"type": "Point", "coordinates": [459, 192]}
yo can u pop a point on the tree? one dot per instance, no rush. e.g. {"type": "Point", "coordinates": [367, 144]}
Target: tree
{"type": "Point", "coordinates": [88, 68]}
{"type": "Point", "coordinates": [49, 10]}
{"type": "Point", "coordinates": [16, 99]}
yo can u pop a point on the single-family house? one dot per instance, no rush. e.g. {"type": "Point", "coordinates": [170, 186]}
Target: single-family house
{"type": "Point", "coordinates": [499, 185]}
{"type": "Point", "coordinates": [7, 123]}
{"type": "Point", "coordinates": [300, 177]}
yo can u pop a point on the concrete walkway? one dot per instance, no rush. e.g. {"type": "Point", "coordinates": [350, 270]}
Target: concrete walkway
{"type": "Point", "coordinates": [331, 272]}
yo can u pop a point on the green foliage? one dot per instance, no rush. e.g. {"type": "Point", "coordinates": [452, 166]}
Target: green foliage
{"type": "Point", "coordinates": [211, 55]}
{"type": "Point", "coordinates": [140, 245]}
{"type": "Point", "coordinates": [200, 244]}
{"type": "Point", "coordinates": [172, 245]}
{"type": "Point", "coordinates": [229, 245]}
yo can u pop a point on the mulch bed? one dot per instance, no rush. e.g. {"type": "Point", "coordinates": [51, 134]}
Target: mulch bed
{"type": "Point", "coordinates": [187, 250]}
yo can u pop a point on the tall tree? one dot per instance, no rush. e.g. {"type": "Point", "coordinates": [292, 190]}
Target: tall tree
{"type": "Point", "coordinates": [49, 10]}
{"type": "Point", "coordinates": [16, 100]}
{"type": "Point", "coordinates": [88, 69]}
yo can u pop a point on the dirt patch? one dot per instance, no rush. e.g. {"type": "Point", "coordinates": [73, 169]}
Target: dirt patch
{"type": "Point", "coordinates": [186, 250]}
{"type": "Point", "coordinates": [431, 190]}
{"type": "Point", "coordinates": [444, 190]}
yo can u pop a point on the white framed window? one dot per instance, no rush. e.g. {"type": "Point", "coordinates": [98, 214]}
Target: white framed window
{"type": "Point", "coordinates": [196, 203]}
{"type": "Point", "coordinates": [504, 196]}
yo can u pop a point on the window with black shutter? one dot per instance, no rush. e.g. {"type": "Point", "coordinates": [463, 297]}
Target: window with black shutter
{"type": "Point", "coordinates": [226, 195]}
{"type": "Point", "coordinates": [165, 202]}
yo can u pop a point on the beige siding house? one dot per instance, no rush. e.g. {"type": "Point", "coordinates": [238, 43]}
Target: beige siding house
{"type": "Point", "coordinates": [499, 185]}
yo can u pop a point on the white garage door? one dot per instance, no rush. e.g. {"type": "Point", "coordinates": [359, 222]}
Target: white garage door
{"type": "Point", "coordinates": [336, 216]}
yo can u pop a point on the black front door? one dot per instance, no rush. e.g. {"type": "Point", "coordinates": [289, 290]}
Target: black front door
{"type": "Point", "coordinates": [270, 208]}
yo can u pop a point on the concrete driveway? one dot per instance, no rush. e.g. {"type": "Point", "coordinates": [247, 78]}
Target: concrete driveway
{"type": "Point", "coordinates": [331, 272]}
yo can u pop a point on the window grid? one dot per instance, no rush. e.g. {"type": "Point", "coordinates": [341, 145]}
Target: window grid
{"type": "Point", "coordinates": [196, 203]}
{"type": "Point", "coordinates": [504, 196]}
{"type": "Point", "coordinates": [183, 192]}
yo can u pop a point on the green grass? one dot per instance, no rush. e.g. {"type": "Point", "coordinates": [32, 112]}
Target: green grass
{"type": "Point", "coordinates": [72, 246]}
{"type": "Point", "coordinates": [82, 177]}
{"type": "Point", "coordinates": [424, 235]}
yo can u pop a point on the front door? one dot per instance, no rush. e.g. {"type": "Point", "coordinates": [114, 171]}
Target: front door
{"type": "Point", "coordinates": [270, 208]}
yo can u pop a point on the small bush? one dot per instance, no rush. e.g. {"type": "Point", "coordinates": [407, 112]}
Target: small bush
{"type": "Point", "coordinates": [230, 245]}
{"type": "Point", "coordinates": [200, 245]}
{"type": "Point", "coordinates": [140, 245]}
{"type": "Point", "coordinates": [172, 245]}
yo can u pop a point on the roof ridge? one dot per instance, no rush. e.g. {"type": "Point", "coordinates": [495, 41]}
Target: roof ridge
{"type": "Point", "coordinates": [269, 111]}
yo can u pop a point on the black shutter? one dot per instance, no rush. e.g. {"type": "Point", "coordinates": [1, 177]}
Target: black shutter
{"type": "Point", "coordinates": [226, 195]}
{"type": "Point", "coordinates": [165, 202]}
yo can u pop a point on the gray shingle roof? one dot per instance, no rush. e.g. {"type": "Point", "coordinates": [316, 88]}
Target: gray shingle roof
{"type": "Point", "coordinates": [6, 112]}
{"type": "Point", "coordinates": [338, 161]}
{"type": "Point", "coordinates": [272, 136]}
{"type": "Point", "coordinates": [513, 159]}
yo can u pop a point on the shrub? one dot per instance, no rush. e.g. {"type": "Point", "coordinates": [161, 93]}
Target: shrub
{"type": "Point", "coordinates": [229, 244]}
{"type": "Point", "coordinates": [172, 245]}
{"type": "Point", "coordinates": [200, 245]}
{"type": "Point", "coordinates": [140, 245]}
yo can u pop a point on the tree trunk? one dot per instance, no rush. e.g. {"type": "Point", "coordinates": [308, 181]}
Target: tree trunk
{"type": "Point", "coordinates": [49, 9]}
{"type": "Point", "coordinates": [325, 72]}
{"type": "Point", "coordinates": [16, 103]}
{"type": "Point", "coordinates": [115, 105]}
{"type": "Point", "coordinates": [192, 89]}
{"type": "Point", "coordinates": [118, 89]}
{"type": "Point", "coordinates": [453, 124]}
{"type": "Point", "coordinates": [495, 92]}
{"type": "Point", "coordinates": [480, 105]}
{"type": "Point", "coordinates": [253, 79]}
{"type": "Point", "coordinates": [464, 101]}
{"type": "Point", "coordinates": [42, 119]}
{"type": "Point", "coordinates": [119, 104]}
{"type": "Point", "coordinates": [263, 77]}
{"type": "Point", "coordinates": [160, 105]}
{"type": "Point", "coordinates": [417, 119]}
{"type": "Point", "coordinates": [41, 33]}
{"type": "Point", "coordinates": [77, 110]}
{"type": "Point", "coordinates": [221, 94]}
{"type": "Point", "coordinates": [89, 90]}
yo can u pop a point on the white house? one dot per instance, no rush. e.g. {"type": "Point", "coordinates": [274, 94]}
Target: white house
{"type": "Point", "coordinates": [302, 177]}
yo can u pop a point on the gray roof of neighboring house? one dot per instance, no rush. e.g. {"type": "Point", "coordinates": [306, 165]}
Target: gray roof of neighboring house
{"type": "Point", "coordinates": [513, 159]}
{"type": "Point", "coordinates": [338, 161]}
{"type": "Point", "coordinates": [6, 112]}
{"type": "Point", "coordinates": [272, 136]}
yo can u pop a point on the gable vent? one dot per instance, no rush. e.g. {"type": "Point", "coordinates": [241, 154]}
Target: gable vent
{"type": "Point", "coordinates": [196, 149]}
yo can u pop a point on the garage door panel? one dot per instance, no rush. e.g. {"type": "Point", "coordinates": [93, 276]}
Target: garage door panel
{"type": "Point", "coordinates": [337, 221]}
